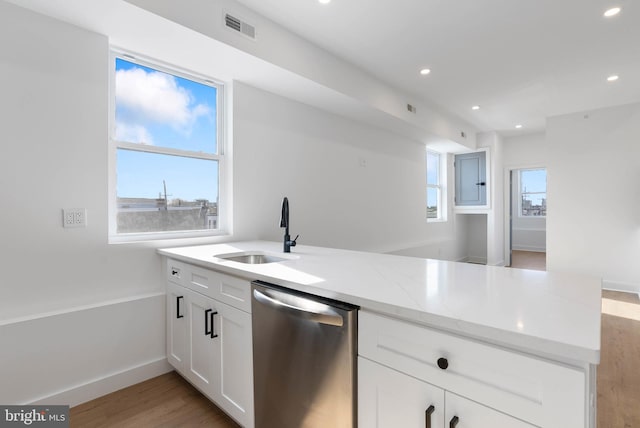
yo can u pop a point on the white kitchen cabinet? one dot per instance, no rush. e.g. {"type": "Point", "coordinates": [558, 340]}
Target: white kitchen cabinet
{"type": "Point", "coordinates": [209, 343]}
{"type": "Point", "coordinates": [540, 392]}
{"type": "Point", "coordinates": [176, 327]}
{"type": "Point", "coordinates": [388, 398]}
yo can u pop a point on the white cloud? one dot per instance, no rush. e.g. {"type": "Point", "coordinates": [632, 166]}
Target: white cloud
{"type": "Point", "coordinates": [133, 133]}
{"type": "Point", "coordinates": [157, 97]}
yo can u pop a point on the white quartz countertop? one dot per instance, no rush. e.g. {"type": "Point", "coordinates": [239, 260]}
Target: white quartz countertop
{"type": "Point", "coordinates": [555, 315]}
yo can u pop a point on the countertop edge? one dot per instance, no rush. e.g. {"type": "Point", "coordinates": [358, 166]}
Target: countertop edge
{"type": "Point", "coordinates": [544, 348]}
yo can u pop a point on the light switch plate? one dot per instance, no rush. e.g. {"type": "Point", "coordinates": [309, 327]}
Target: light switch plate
{"type": "Point", "coordinates": [74, 217]}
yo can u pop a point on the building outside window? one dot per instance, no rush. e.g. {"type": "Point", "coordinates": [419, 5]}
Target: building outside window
{"type": "Point", "coordinates": [166, 150]}
{"type": "Point", "coordinates": [435, 189]}
{"type": "Point", "coordinates": [533, 192]}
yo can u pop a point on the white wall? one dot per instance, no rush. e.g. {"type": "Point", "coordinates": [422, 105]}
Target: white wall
{"type": "Point", "coordinates": [477, 238]}
{"type": "Point", "coordinates": [349, 185]}
{"type": "Point", "coordinates": [495, 212]}
{"type": "Point", "coordinates": [594, 198]}
{"type": "Point", "coordinates": [53, 106]}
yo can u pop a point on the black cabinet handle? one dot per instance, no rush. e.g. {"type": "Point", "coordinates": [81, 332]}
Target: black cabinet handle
{"type": "Point", "coordinates": [206, 322]}
{"type": "Point", "coordinates": [482, 183]}
{"type": "Point", "coordinates": [178, 306]}
{"type": "Point", "coordinates": [174, 272]}
{"type": "Point", "coordinates": [211, 319]}
{"type": "Point", "coordinates": [453, 422]}
{"type": "Point", "coordinates": [427, 416]}
{"type": "Point", "coordinates": [443, 363]}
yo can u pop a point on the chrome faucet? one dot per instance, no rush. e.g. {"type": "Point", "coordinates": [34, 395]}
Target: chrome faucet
{"type": "Point", "coordinates": [284, 222]}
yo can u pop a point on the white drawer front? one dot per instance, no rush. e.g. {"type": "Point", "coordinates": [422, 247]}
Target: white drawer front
{"type": "Point", "coordinates": [538, 391]}
{"type": "Point", "coordinates": [229, 289]}
{"type": "Point", "coordinates": [176, 271]}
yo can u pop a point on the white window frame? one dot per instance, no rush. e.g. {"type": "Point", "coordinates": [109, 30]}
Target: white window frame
{"type": "Point", "coordinates": [224, 170]}
{"type": "Point", "coordinates": [521, 193]}
{"type": "Point", "coordinates": [442, 176]}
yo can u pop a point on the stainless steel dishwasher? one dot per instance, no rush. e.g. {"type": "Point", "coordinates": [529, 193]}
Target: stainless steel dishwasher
{"type": "Point", "coordinates": [304, 359]}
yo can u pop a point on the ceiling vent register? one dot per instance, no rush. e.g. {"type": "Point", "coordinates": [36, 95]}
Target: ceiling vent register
{"type": "Point", "coordinates": [240, 26]}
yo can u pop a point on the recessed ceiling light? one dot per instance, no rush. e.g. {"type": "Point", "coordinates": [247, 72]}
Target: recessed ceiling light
{"type": "Point", "coordinates": [475, 108]}
{"type": "Point", "coordinates": [612, 12]}
{"type": "Point", "coordinates": [518, 126]}
{"type": "Point", "coordinates": [612, 78]}
{"type": "Point", "coordinates": [425, 71]}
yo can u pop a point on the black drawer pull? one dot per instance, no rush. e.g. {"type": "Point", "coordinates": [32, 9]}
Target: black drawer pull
{"type": "Point", "coordinates": [454, 422]}
{"type": "Point", "coordinates": [178, 306]}
{"type": "Point", "coordinates": [443, 363]}
{"type": "Point", "coordinates": [482, 183]}
{"type": "Point", "coordinates": [427, 416]}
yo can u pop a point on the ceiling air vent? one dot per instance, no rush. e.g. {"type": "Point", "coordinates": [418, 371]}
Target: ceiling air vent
{"type": "Point", "coordinates": [240, 26]}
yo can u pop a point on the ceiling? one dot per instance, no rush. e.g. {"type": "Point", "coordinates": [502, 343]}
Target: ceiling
{"type": "Point", "coordinates": [520, 61]}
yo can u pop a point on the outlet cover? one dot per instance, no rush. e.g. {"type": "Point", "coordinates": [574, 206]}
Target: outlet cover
{"type": "Point", "coordinates": [74, 217]}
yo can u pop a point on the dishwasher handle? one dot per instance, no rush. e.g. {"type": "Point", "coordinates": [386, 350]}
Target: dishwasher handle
{"type": "Point", "coordinates": [299, 306]}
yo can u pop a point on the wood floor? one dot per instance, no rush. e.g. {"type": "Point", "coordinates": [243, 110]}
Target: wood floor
{"type": "Point", "coordinates": [164, 401]}
{"type": "Point", "coordinates": [169, 401]}
{"type": "Point", "coordinates": [529, 260]}
{"type": "Point", "coordinates": [619, 369]}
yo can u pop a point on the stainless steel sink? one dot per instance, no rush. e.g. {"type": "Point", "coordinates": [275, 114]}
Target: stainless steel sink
{"type": "Point", "coordinates": [251, 258]}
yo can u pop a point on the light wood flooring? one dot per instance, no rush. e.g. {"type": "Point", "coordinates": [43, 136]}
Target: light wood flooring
{"type": "Point", "coordinates": [529, 260]}
{"type": "Point", "coordinates": [170, 401]}
{"type": "Point", "coordinates": [164, 401]}
{"type": "Point", "coordinates": [619, 369]}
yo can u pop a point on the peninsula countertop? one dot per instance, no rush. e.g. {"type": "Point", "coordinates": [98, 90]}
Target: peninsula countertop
{"type": "Point", "coordinates": [551, 314]}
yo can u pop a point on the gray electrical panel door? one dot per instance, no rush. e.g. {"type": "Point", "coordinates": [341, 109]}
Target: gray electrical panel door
{"type": "Point", "coordinates": [471, 179]}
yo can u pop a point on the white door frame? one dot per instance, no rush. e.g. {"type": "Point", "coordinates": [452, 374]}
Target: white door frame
{"type": "Point", "coordinates": [507, 205]}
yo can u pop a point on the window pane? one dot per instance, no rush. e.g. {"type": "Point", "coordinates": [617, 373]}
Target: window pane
{"type": "Point", "coordinates": [534, 204]}
{"type": "Point", "coordinates": [158, 193]}
{"type": "Point", "coordinates": [533, 180]}
{"type": "Point", "coordinates": [160, 109]}
{"type": "Point", "coordinates": [433, 168]}
{"type": "Point", "coordinates": [533, 191]}
{"type": "Point", "coordinates": [433, 199]}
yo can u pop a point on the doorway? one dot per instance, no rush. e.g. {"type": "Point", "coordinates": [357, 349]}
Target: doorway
{"type": "Point", "coordinates": [526, 215]}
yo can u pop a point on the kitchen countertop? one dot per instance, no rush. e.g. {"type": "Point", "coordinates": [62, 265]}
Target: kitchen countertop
{"type": "Point", "coordinates": [551, 314]}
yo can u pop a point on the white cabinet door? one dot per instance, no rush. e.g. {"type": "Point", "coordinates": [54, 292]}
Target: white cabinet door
{"type": "Point", "coordinates": [390, 399]}
{"type": "Point", "coordinates": [209, 342]}
{"type": "Point", "coordinates": [203, 365]}
{"type": "Point", "coordinates": [470, 414]}
{"type": "Point", "coordinates": [177, 332]}
{"type": "Point", "coordinates": [235, 388]}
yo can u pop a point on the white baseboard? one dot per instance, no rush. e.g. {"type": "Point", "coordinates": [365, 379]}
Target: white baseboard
{"type": "Point", "coordinates": [621, 286]}
{"type": "Point", "coordinates": [107, 384]}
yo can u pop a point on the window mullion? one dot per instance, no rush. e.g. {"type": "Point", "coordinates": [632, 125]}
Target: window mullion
{"type": "Point", "coordinates": [165, 150]}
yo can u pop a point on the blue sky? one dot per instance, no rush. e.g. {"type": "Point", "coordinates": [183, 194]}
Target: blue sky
{"type": "Point", "coordinates": [158, 109]}
{"type": "Point", "coordinates": [534, 180]}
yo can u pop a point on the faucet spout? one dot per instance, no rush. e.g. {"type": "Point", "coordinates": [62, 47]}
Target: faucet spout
{"type": "Point", "coordinates": [284, 222]}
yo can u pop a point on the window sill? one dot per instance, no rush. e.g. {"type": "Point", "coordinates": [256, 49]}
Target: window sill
{"type": "Point", "coordinates": [436, 220]}
{"type": "Point", "coordinates": [172, 237]}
